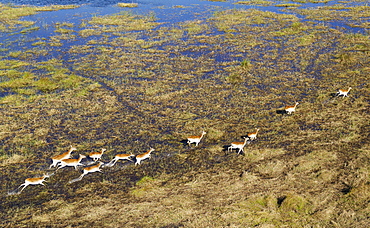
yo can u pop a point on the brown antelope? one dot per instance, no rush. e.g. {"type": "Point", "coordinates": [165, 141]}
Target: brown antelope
{"type": "Point", "coordinates": [253, 135]}
{"type": "Point", "coordinates": [143, 156]}
{"type": "Point", "coordinates": [238, 145]}
{"type": "Point", "coordinates": [58, 158]}
{"type": "Point", "coordinates": [91, 169]}
{"type": "Point", "coordinates": [97, 155]}
{"type": "Point", "coordinates": [291, 108]}
{"type": "Point", "coordinates": [87, 170]}
{"type": "Point", "coordinates": [71, 162]}
{"type": "Point", "coordinates": [343, 92]}
{"type": "Point", "coordinates": [120, 157]}
{"type": "Point", "coordinates": [196, 139]}
{"type": "Point", "coordinates": [33, 181]}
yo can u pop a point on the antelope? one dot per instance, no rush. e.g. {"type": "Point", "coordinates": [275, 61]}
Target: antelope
{"type": "Point", "coordinates": [97, 155]}
{"type": "Point", "coordinates": [120, 157]}
{"type": "Point", "coordinates": [91, 169]}
{"type": "Point", "coordinates": [143, 156]}
{"type": "Point", "coordinates": [291, 108]}
{"type": "Point", "coordinates": [253, 135]}
{"type": "Point", "coordinates": [58, 158]}
{"type": "Point", "coordinates": [87, 170]}
{"type": "Point", "coordinates": [71, 162]}
{"type": "Point", "coordinates": [238, 145]}
{"type": "Point", "coordinates": [343, 92]}
{"type": "Point", "coordinates": [33, 181]}
{"type": "Point", "coordinates": [196, 139]}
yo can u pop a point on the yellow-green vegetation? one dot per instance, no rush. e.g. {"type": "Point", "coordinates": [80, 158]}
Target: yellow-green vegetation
{"type": "Point", "coordinates": [231, 20]}
{"type": "Point", "coordinates": [26, 78]}
{"type": "Point", "coordinates": [89, 32]}
{"type": "Point", "coordinates": [39, 43]}
{"type": "Point", "coordinates": [129, 5]}
{"type": "Point", "coordinates": [15, 158]}
{"type": "Point", "coordinates": [256, 2]}
{"type": "Point", "coordinates": [10, 15]}
{"type": "Point", "coordinates": [288, 5]}
{"type": "Point", "coordinates": [178, 6]}
{"type": "Point", "coordinates": [194, 27]}
{"type": "Point", "coordinates": [125, 21]}
{"type": "Point", "coordinates": [64, 28]}
{"type": "Point", "coordinates": [294, 28]}
{"type": "Point", "coordinates": [313, 1]}
{"type": "Point", "coordinates": [128, 91]}
{"type": "Point", "coordinates": [355, 16]}
{"type": "Point", "coordinates": [146, 187]}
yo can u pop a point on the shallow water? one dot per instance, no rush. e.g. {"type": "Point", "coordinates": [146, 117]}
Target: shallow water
{"type": "Point", "coordinates": [170, 13]}
{"type": "Point", "coordinates": [165, 11]}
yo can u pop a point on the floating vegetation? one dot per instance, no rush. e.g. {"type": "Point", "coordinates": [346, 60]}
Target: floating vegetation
{"type": "Point", "coordinates": [178, 6]}
{"type": "Point", "coordinates": [129, 5]}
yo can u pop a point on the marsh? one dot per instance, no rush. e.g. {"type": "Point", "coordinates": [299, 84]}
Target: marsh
{"type": "Point", "coordinates": [93, 75]}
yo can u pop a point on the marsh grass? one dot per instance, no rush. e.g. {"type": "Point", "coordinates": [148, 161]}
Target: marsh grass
{"type": "Point", "coordinates": [10, 16]}
{"type": "Point", "coordinates": [354, 14]}
{"type": "Point", "coordinates": [125, 21]}
{"type": "Point", "coordinates": [128, 93]}
{"type": "Point", "coordinates": [288, 5]}
{"type": "Point", "coordinates": [28, 83]}
{"type": "Point", "coordinates": [255, 3]}
{"type": "Point", "coordinates": [13, 159]}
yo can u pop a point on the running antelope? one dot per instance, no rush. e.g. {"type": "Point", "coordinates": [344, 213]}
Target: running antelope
{"type": "Point", "coordinates": [97, 155]}
{"type": "Point", "coordinates": [71, 162]}
{"type": "Point", "coordinates": [120, 157]}
{"type": "Point", "coordinates": [343, 92]}
{"type": "Point", "coordinates": [58, 158]}
{"type": "Point", "coordinates": [291, 108]}
{"type": "Point", "coordinates": [253, 135]}
{"type": "Point", "coordinates": [143, 156]}
{"type": "Point", "coordinates": [91, 169]}
{"type": "Point", "coordinates": [87, 170]}
{"type": "Point", "coordinates": [196, 139]}
{"type": "Point", "coordinates": [33, 181]}
{"type": "Point", "coordinates": [238, 145]}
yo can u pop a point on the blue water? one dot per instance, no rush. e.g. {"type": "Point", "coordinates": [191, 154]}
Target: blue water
{"type": "Point", "coordinates": [164, 11]}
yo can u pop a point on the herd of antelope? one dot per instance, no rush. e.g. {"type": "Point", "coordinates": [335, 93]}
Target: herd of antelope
{"type": "Point", "coordinates": [63, 160]}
